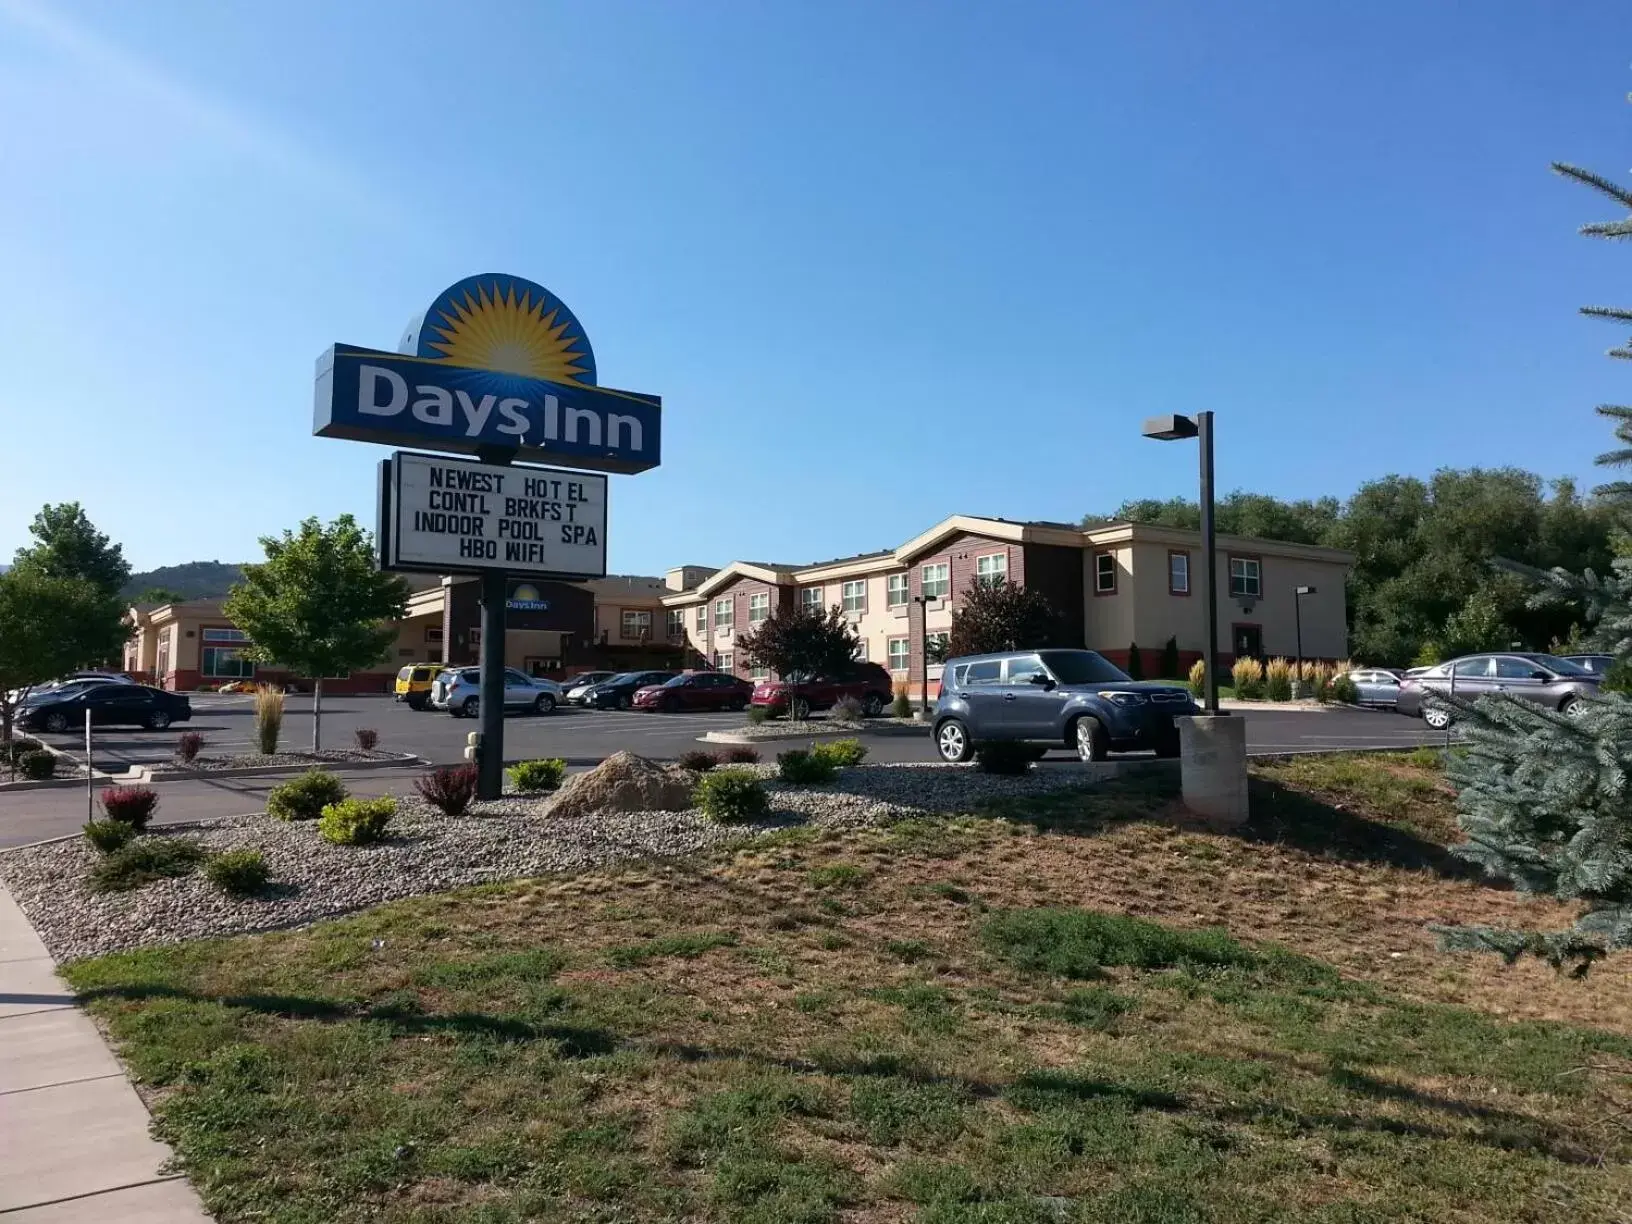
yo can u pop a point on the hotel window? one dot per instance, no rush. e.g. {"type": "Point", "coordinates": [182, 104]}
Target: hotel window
{"type": "Point", "coordinates": [900, 652]}
{"type": "Point", "coordinates": [433, 635]}
{"type": "Point", "coordinates": [223, 635]}
{"type": "Point", "coordinates": [637, 625]}
{"type": "Point", "coordinates": [226, 663]}
{"type": "Point", "coordinates": [860, 655]}
{"type": "Point", "coordinates": [722, 661]}
{"type": "Point", "coordinates": [895, 591]}
{"type": "Point", "coordinates": [855, 596]}
{"type": "Point", "coordinates": [759, 607]}
{"type": "Point", "coordinates": [937, 580]}
{"type": "Point", "coordinates": [1178, 573]}
{"type": "Point", "coordinates": [1246, 576]}
{"type": "Point", "coordinates": [759, 673]}
{"type": "Point", "coordinates": [993, 568]}
{"type": "Point", "coordinates": [675, 622]}
{"type": "Point", "coordinates": [1104, 573]}
{"type": "Point", "coordinates": [723, 613]}
{"type": "Point", "coordinates": [702, 618]}
{"type": "Point", "coordinates": [810, 598]}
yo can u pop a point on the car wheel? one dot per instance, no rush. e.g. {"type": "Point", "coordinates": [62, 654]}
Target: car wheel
{"type": "Point", "coordinates": [739, 704]}
{"type": "Point", "coordinates": [417, 703]}
{"type": "Point", "coordinates": [671, 705]}
{"type": "Point", "coordinates": [471, 708]}
{"type": "Point", "coordinates": [158, 720]}
{"type": "Point", "coordinates": [544, 705]}
{"type": "Point", "coordinates": [626, 702]}
{"type": "Point", "coordinates": [952, 742]}
{"type": "Point", "coordinates": [1089, 738]}
{"type": "Point", "coordinates": [1572, 707]}
{"type": "Point", "coordinates": [55, 722]}
{"type": "Point", "coordinates": [872, 705]}
{"type": "Point", "coordinates": [1437, 717]}
{"type": "Point", "coordinates": [799, 709]}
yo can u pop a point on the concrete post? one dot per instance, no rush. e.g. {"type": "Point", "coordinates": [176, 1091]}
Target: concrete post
{"type": "Point", "coordinates": [1213, 768]}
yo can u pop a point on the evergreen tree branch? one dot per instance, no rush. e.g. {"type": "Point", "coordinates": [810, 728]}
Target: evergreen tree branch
{"type": "Point", "coordinates": [1615, 314]}
{"type": "Point", "coordinates": [1609, 229]}
{"type": "Point", "coordinates": [1597, 182]}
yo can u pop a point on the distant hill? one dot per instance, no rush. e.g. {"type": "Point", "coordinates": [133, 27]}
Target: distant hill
{"type": "Point", "coordinates": [192, 580]}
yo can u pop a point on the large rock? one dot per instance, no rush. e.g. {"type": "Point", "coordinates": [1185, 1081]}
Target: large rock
{"type": "Point", "coordinates": [625, 782]}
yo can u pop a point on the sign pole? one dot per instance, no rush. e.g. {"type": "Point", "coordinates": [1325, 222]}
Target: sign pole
{"type": "Point", "coordinates": [90, 786]}
{"type": "Point", "coordinates": [490, 773]}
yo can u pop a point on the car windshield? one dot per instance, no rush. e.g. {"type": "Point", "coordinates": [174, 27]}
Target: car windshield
{"type": "Point", "coordinates": [72, 688]}
{"type": "Point", "coordinates": [1562, 667]}
{"type": "Point", "coordinates": [1081, 667]}
{"type": "Point", "coordinates": [677, 682]}
{"type": "Point", "coordinates": [622, 678]}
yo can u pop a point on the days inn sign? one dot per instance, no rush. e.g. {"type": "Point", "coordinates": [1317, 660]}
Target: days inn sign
{"type": "Point", "coordinates": [495, 363]}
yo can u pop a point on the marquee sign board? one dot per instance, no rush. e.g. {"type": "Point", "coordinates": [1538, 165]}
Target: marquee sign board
{"type": "Point", "coordinates": [444, 515]}
{"type": "Point", "coordinates": [495, 362]}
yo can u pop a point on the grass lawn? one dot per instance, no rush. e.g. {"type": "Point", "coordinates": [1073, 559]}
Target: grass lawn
{"type": "Point", "coordinates": [1063, 1011]}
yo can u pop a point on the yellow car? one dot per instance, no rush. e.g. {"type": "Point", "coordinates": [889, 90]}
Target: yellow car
{"type": "Point", "coordinates": [414, 684]}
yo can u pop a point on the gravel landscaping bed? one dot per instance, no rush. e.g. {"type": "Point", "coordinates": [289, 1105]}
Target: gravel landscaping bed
{"type": "Point", "coordinates": [504, 839]}
{"type": "Point", "coordinates": [260, 760]}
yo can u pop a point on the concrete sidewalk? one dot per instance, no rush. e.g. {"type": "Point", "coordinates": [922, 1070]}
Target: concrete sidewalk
{"type": "Point", "coordinates": [74, 1142]}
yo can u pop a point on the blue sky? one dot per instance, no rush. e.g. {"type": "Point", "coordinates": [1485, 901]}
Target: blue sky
{"type": "Point", "coordinates": [884, 262]}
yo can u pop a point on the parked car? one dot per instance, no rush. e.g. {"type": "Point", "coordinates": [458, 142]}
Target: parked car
{"type": "Point", "coordinates": [78, 679]}
{"type": "Point", "coordinates": [1544, 679]}
{"type": "Point", "coordinates": [868, 683]}
{"type": "Point", "coordinates": [577, 687]}
{"type": "Point", "coordinates": [1055, 699]}
{"type": "Point", "coordinates": [413, 687]}
{"type": "Point", "coordinates": [701, 690]}
{"type": "Point", "coordinates": [135, 705]}
{"type": "Point", "coordinates": [1376, 686]}
{"type": "Point", "coordinates": [458, 690]}
{"type": "Point", "coordinates": [618, 693]}
{"type": "Point", "coordinates": [1597, 664]}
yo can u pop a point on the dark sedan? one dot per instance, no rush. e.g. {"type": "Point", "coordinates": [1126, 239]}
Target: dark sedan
{"type": "Point", "coordinates": [110, 705]}
{"type": "Point", "coordinates": [696, 691]}
{"type": "Point", "coordinates": [1544, 679]}
{"type": "Point", "coordinates": [619, 692]}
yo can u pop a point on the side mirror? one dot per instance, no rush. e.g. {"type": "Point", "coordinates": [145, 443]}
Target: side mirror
{"type": "Point", "coordinates": [1044, 682]}
{"type": "Point", "coordinates": [1541, 675]}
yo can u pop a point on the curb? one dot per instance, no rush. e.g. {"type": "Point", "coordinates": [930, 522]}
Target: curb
{"type": "Point", "coordinates": [263, 771]}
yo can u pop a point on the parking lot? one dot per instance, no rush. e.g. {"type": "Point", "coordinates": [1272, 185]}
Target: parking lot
{"type": "Point", "coordinates": [587, 736]}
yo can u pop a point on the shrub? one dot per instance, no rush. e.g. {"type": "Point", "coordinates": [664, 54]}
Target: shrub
{"type": "Point", "coordinates": [356, 822]}
{"type": "Point", "coordinates": [846, 710]}
{"type": "Point", "coordinates": [131, 805]}
{"type": "Point", "coordinates": [268, 717]}
{"type": "Point", "coordinates": [1248, 677]}
{"type": "Point", "coordinates": [188, 745]}
{"type": "Point", "coordinates": [1136, 663]}
{"type": "Point", "coordinates": [1004, 757]}
{"type": "Point", "coordinates": [1170, 660]}
{"type": "Point", "coordinates": [1318, 676]}
{"type": "Point", "coordinates": [366, 738]}
{"type": "Point", "coordinates": [1428, 655]}
{"type": "Point", "coordinates": [37, 764]}
{"type": "Point", "coordinates": [731, 796]}
{"type": "Point", "coordinates": [242, 873]}
{"type": "Point", "coordinates": [841, 753]}
{"type": "Point", "coordinates": [902, 706]}
{"type": "Point", "coordinates": [1198, 677]}
{"type": "Point", "coordinates": [11, 751]}
{"type": "Point", "coordinates": [538, 775]}
{"type": "Point", "coordinates": [740, 754]}
{"type": "Point", "coordinates": [757, 715]}
{"type": "Point", "coordinates": [108, 835]}
{"type": "Point", "coordinates": [305, 797]}
{"type": "Point", "coordinates": [698, 761]}
{"type": "Point", "coordinates": [448, 789]}
{"type": "Point", "coordinates": [1343, 689]}
{"type": "Point", "coordinates": [1278, 680]}
{"type": "Point", "coordinates": [145, 860]}
{"type": "Point", "coordinates": [803, 767]}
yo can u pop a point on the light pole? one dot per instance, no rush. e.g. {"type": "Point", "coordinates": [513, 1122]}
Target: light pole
{"type": "Point", "coordinates": [923, 676]}
{"type": "Point", "coordinates": [1297, 619]}
{"type": "Point", "coordinates": [1170, 429]}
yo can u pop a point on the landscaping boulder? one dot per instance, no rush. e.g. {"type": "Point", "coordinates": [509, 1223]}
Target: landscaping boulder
{"type": "Point", "coordinates": [625, 782]}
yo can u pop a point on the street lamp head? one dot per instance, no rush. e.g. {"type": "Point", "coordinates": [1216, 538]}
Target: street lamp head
{"type": "Point", "coordinates": [1304, 590]}
{"type": "Point", "coordinates": [1169, 428]}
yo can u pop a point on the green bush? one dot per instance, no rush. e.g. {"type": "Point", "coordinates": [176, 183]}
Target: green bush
{"type": "Point", "coordinates": [305, 797]}
{"type": "Point", "coordinates": [1198, 677]}
{"type": "Point", "coordinates": [1005, 757]}
{"type": "Point", "coordinates": [1344, 689]}
{"type": "Point", "coordinates": [242, 873]}
{"type": "Point", "coordinates": [37, 765]}
{"type": "Point", "coordinates": [145, 860]}
{"type": "Point", "coordinates": [697, 761]}
{"type": "Point", "coordinates": [12, 751]}
{"type": "Point", "coordinates": [731, 796]}
{"type": "Point", "coordinates": [841, 753]}
{"type": "Point", "coordinates": [1278, 679]}
{"type": "Point", "coordinates": [1136, 663]}
{"type": "Point", "coordinates": [901, 707]}
{"type": "Point", "coordinates": [739, 754]}
{"type": "Point", "coordinates": [757, 715]}
{"type": "Point", "coordinates": [109, 835]}
{"type": "Point", "coordinates": [1170, 660]}
{"type": "Point", "coordinates": [803, 767]}
{"type": "Point", "coordinates": [538, 775]}
{"type": "Point", "coordinates": [356, 822]}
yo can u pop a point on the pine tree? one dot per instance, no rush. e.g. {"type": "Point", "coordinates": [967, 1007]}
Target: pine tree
{"type": "Point", "coordinates": [1136, 663]}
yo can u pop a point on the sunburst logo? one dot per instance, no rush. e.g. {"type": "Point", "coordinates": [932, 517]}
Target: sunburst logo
{"type": "Point", "coordinates": [505, 325]}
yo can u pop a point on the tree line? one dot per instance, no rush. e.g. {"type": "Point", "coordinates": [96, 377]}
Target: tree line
{"type": "Point", "coordinates": [1428, 580]}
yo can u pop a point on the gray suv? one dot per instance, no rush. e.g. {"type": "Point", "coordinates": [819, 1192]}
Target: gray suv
{"type": "Point", "coordinates": [1544, 679]}
{"type": "Point", "coordinates": [1054, 699]}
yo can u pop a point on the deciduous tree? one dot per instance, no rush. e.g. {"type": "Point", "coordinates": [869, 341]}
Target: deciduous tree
{"type": "Point", "coordinates": [1001, 616]}
{"type": "Point", "coordinates": [68, 545]}
{"type": "Point", "coordinates": [48, 627]}
{"type": "Point", "coordinates": [797, 640]}
{"type": "Point", "coordinates": [318, 605]}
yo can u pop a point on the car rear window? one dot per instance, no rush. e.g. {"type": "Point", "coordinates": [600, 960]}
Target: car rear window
{"type": "Point", "coordinates": [422, 673]}
{"type": "Point", "coordinates": [405, 673]}
{"type": "Point", "coordinates": [990, 671]}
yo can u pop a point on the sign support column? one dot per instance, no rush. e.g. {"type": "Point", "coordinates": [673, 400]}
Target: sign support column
{"type": "Point", "coordinates": [490, 771]}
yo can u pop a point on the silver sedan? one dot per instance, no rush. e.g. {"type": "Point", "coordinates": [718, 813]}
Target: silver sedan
{"type": "Point", "coordinates": [1377, 686]}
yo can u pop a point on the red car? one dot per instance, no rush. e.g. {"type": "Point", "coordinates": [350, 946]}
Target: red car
{"type": "Point", "coordinates": [699, 690]}
{"type": "Point", "coordinates": [868, 683]}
